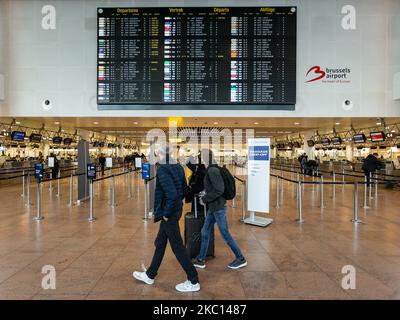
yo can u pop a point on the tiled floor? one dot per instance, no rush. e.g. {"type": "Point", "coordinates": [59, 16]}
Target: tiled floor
{"type": "Point", "coordinates": [287, 260]}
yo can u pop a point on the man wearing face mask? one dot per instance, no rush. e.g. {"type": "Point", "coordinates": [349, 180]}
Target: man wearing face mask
{"type": "Point", "coordinates": [170, 191]}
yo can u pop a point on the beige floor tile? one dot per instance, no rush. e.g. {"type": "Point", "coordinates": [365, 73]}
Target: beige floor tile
{"type": "Point", "coordinates": [315, 285]}
{"type": "Point", "coordinates": [287, 260]}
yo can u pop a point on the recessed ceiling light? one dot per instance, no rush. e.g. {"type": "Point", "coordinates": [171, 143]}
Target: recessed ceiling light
{"type": "Point", "coordinates": [378, 123]}
{"type": "Point", "coordinates": [95, 122]}
{"type": "Point", "coordinates": [17, 122]}
{"type": "Point", "coordinates": [337, 123]}
{"type": "Point", "coordinates": [296, 123]}
{"type": "Point", "coordinates": [136, 122]}
{"type": "Point", "coordinates": [215, 122]}
{"type": "Point", "coordinates": [256, 123]}
{"type": "Point", "coordinates": [56, 122]}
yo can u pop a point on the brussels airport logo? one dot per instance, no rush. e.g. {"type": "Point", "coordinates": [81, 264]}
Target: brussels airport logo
{"type": "Point", "coordinates": [328, 75]}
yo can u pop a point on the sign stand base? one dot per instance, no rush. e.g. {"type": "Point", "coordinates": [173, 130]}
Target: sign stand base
{"type": "Point", "coordinates": [258, 221]}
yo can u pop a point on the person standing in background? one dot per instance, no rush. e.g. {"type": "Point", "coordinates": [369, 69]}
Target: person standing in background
{"type": "Point", "coordinates": [102, 163]}
{"type": "Point", "coordinates": [371, 164]}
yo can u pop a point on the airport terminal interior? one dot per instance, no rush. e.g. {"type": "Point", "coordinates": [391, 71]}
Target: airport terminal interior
{"type": "Point", "coordinates": [294, 98]}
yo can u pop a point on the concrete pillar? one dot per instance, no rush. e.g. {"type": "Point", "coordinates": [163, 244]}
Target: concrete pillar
{"type": "Point", "coordinates": [310, 151]}
{"type": "Point", "coordinates": [3, 50]}
{"type": "Point", "coordinates": [83, 160]}
{"type": "Point", "coordinates": [349, 152]}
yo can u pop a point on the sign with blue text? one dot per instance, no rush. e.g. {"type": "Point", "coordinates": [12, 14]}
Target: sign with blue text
{"type": "Point", "coordinates": [39, 171]}
{"type": "Point", "coordinates": [258, 171]}
{"type": "Point", "coordinates": [146, 171]}
{"type": "Point", "coordinates": [91, 171]}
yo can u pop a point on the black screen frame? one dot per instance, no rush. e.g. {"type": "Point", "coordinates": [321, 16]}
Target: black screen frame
{"type": "Point", "coordinates": [150, 106]}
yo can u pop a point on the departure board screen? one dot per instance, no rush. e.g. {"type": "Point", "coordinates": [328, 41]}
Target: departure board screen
{"type": "Point", "coordinates": [197, 58]}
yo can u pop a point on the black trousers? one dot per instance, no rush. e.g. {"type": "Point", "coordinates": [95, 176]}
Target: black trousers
{"type": "Point", "coordinates": [169, 230]}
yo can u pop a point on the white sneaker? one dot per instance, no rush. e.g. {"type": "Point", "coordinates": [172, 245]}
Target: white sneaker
{"type": "Point", "coordinates": [187, 286]}
{"type": "Point", "coordinates": [142, 276]}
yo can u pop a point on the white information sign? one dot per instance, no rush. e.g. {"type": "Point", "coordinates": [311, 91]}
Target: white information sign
{"type": "Point", "coordinates": [109, 162]}
{"type": "Point", "coordinates": [258, 180]}
{"type": "Point", "coordinates": [138, 162]}
{"type": "Point", "coordinates": [50, 162]}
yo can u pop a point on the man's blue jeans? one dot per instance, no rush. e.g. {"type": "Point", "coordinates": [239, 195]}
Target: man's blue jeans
{"type": "Point", "coordinates": [218, 217]}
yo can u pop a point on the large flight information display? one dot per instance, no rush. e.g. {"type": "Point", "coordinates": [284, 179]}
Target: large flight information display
{"type": "Point", "coordinates": [197, 58]}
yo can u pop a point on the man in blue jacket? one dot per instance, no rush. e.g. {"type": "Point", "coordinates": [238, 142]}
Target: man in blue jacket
{"type": "Point", "coordinates": [170, 191]}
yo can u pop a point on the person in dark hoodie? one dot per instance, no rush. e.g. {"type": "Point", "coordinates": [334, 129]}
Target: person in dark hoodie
{"type": "Point", "coordinates": [371, 164]}
{"type": "Point", "coordinates": [169, 193]}
{"type": "Point", "coordinates": [196, 183]}
{"type": "Point", "coordinates": [214, 188]}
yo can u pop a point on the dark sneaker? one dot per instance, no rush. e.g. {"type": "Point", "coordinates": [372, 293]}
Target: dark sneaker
{"type": "Point", "coordinates": [237, 264]}
{"type": "Point", "coordinates": [199, 264]}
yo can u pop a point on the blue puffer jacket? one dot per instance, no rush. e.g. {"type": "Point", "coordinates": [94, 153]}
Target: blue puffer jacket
{"type": "Point", "coordinates": [170, 190]}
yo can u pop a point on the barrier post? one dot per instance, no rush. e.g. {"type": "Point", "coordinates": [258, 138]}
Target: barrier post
{"type": "Point", "coordinates": [277, 191]}
{"type": "Point", "coordinates": [113, 192]}
{"type": "Point", "coordinates": [322, 192]}
{"type": "Point", "coordinates": [282, 186]}
{"type": "Point", "coordinates": [292, 178]}
{"type": "Point", "coordinates": [299, 202]}
{"type": "Point", "coordinates": [365, 192]}
{"type": "Point", "coordinates": [145, 201]}
{"type": "Point", "coordinates": [370, 185]}
{"type": "Point", "coordinates": [39, 202]}
{"type": "Point", "coordinates": [243, 201]}
{"type": "Point", "coordinates": [376, 186]}
{"type": "Point", "coordinates": [334, 186]}
{"type": "Point", "coordinates": [23, 184]}
{"type": "Point", "coordinates": [343, 179]}
{"type": "Point", "coordinates": [129, 183]}
{"type": "Point", "coordinates": [234, 198]}
{"type": "Point", "coordinates": [355, 218]}
{"type": "Point", "coordinates": [99, 185]}
{"type": "Point", "coordinates": [71, 190]}
{"type": "Point", "coordinates": [108, 180]}
{"type": "Point", "coordinates": [313, 179]}
{"type": "Point", "coordinates": [58, 183]}
{"type": "Point", "coordinates": [91, 194]}
{"type": "Point", "coordinates": [28, 190]}
{"type": "Point", "coordinates": [51, 181]}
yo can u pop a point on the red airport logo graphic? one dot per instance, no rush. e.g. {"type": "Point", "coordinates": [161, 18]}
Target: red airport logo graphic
{"type": "Point", "coordinates": [318, 73]}
{"type": "Point", "coordinates": [328, 75]}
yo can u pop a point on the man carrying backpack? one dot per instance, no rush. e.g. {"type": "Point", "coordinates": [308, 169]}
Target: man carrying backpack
{"type": "Point", "coordinates": [214, 189]}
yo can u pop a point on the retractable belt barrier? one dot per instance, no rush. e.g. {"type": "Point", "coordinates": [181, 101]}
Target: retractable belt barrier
{"type": "Point", "coordinates": [321, 183]}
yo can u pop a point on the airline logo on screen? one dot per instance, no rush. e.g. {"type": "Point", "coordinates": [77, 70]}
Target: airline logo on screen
{"type": "Point", "coordinates": [328, 75]}
{"type": "Point", "coordinates": [259, 153]}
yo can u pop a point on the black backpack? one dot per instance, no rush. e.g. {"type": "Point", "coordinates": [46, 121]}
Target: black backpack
{"type": "Point", "coordinates": [229, 182]}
